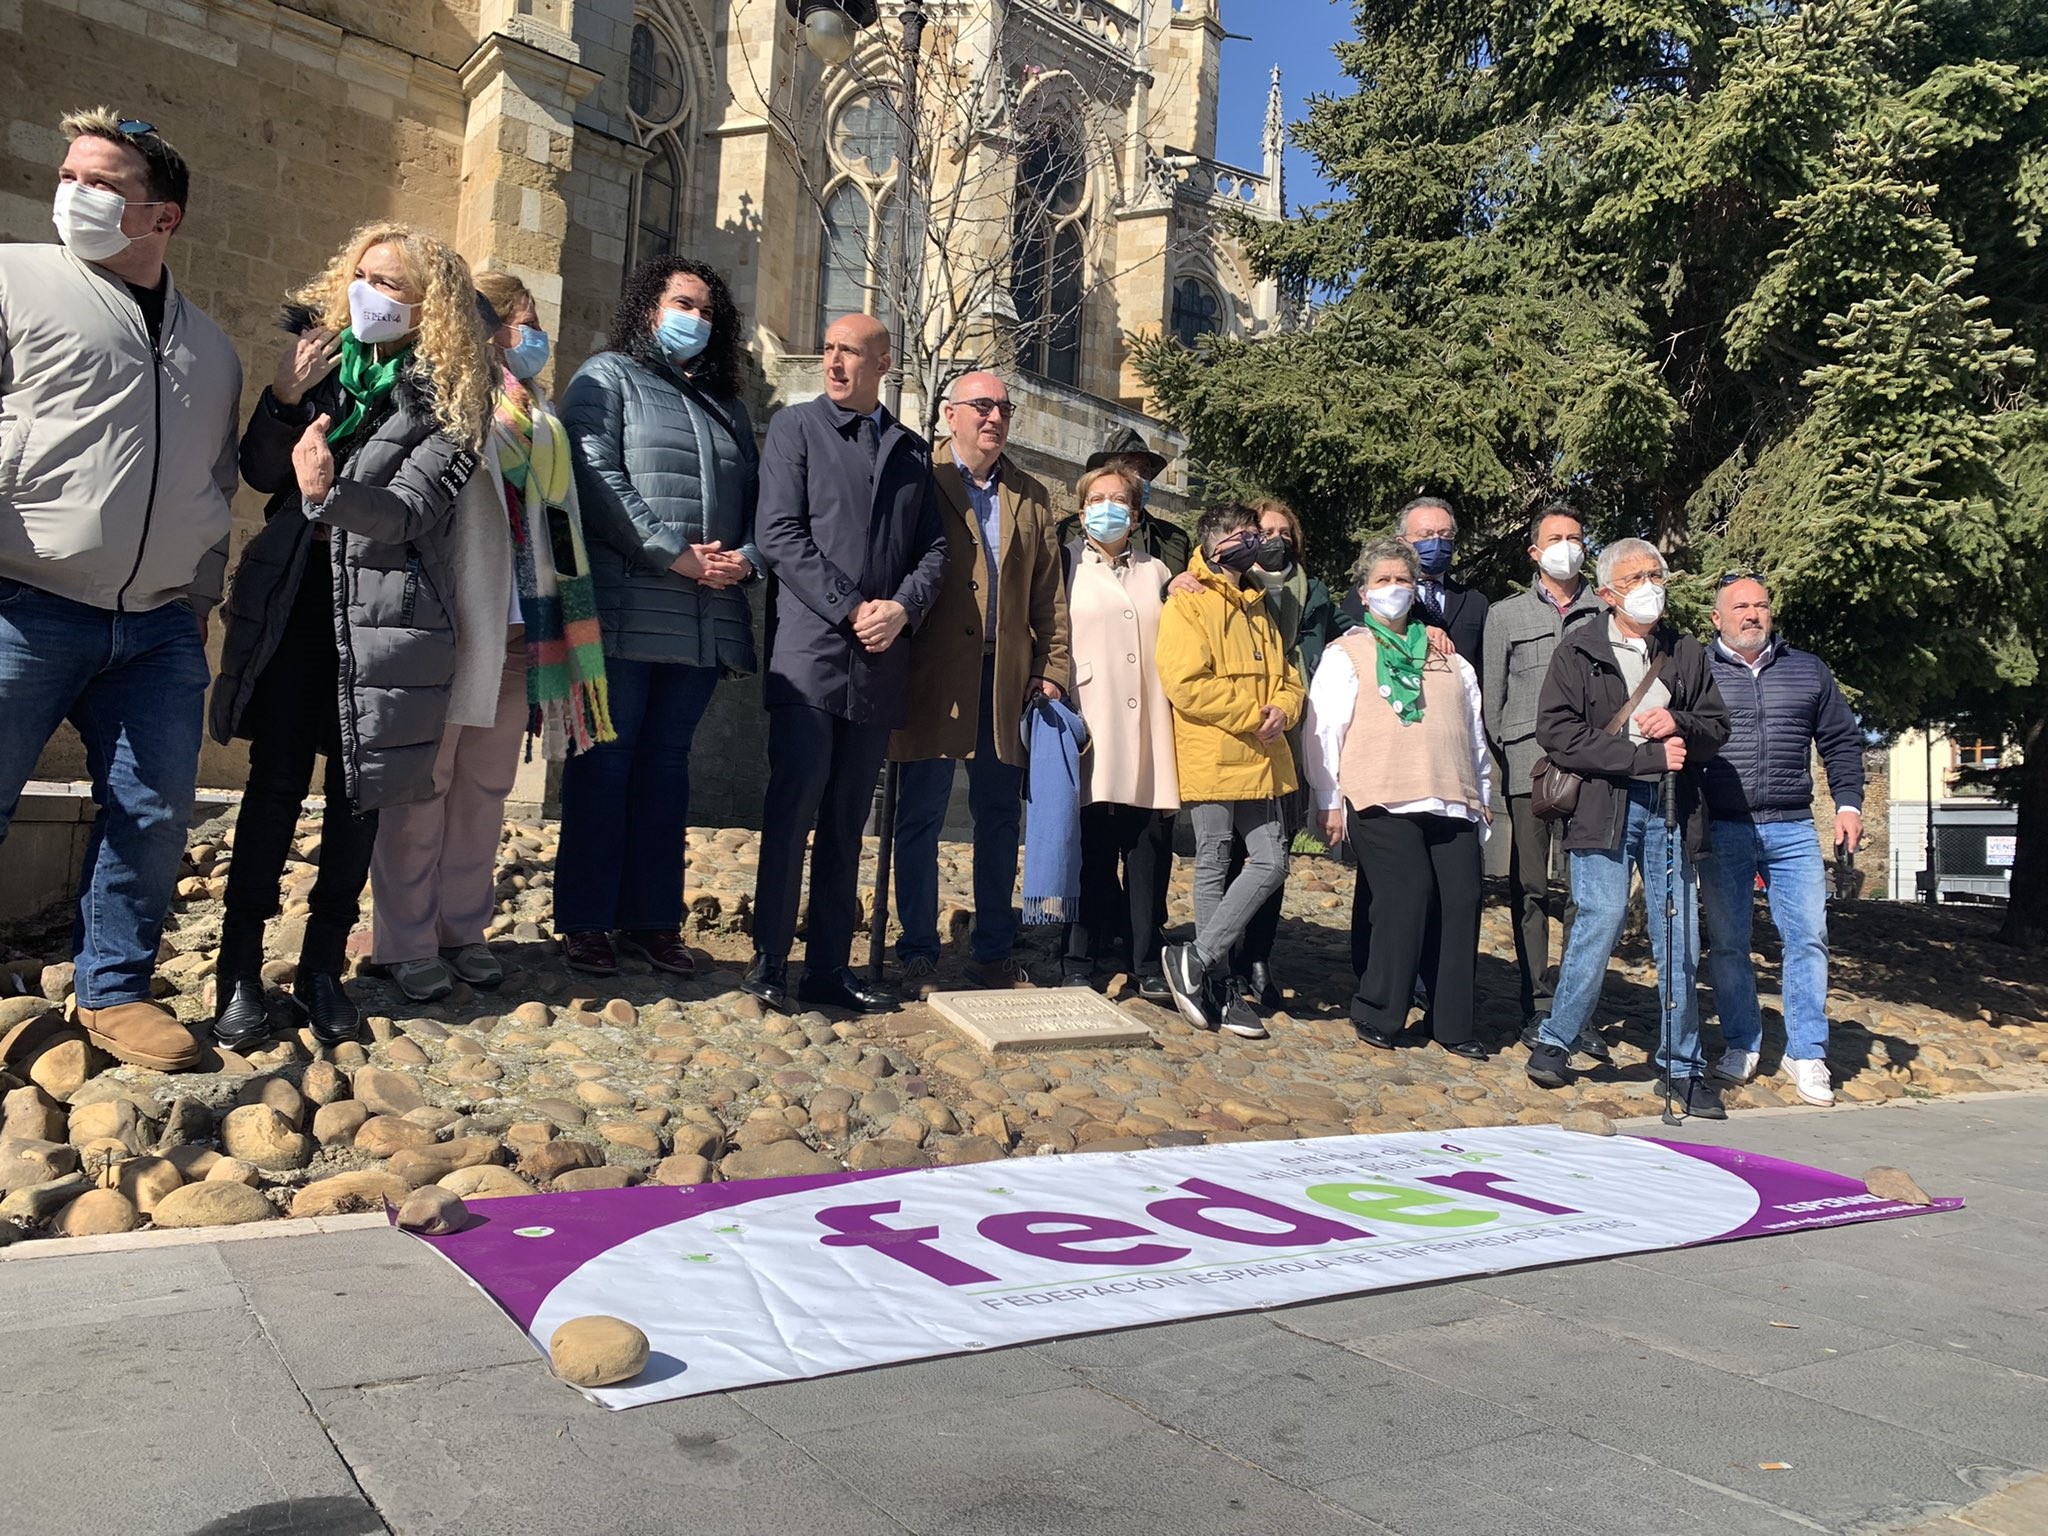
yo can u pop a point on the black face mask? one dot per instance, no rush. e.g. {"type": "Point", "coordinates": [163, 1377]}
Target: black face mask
{"type": "Point", "coordinates": [1276, 554]}
{"type": "Point", "coordinates": [1238, 556]}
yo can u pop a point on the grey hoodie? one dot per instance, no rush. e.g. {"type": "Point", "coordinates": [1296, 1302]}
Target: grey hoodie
{"type": "Point", "coordinates": [117, 460]}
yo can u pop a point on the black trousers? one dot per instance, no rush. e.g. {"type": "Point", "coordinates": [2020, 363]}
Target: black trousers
{"type": "Point", "coordinates": [821, 774]}
{"type": "Point", "coordinates": [1534, 900]}
{"type": "Point", "coordinates": [1407, 865]}
{"type": "Point", "coordinates": [1123, 886]}
{"type": "Point", "coordinates": [292, 718]}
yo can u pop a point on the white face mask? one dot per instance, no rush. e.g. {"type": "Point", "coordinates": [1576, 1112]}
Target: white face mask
{"type": "Point", "coordinates": [1563, 560]}
{"type": "Point", "coordinates": [88, 221]}
{"type": "Point", "coordinates": [375, 316]}
{"type": "Point", "coordinates": [1390, 603]}
{"type": "Point", "coordinates": [1645, 604]}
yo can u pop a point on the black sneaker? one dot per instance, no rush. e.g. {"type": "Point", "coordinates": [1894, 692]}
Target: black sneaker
{"type": "Point", "coordinates": [1549, 1066]}
{"type": "Point", "coordinates": [1189, 985]}
{"type": "Point", "coordinates": [1694, 1096]}
{"type": "Point", "coordinates": [1235, 1012]}
{"type": "Point", "coordinates": [328, 1008]}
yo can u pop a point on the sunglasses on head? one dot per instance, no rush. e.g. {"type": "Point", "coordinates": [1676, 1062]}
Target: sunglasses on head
{"type": "Point", "coordinates": [1729, 578]}
{"type": "Point", "coordinates": [134, 127]}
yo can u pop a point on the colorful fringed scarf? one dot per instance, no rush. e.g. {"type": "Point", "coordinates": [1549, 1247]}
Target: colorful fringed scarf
{"type": "Point", "coordinates": [566, 699]}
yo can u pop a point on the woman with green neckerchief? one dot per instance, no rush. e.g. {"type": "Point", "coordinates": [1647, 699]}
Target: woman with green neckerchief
{"type": "Point", "coordinates": [1398, 763]}
{"type": "Point", "coordinates": [356, 629]}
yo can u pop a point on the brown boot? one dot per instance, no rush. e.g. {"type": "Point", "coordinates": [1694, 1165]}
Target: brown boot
{"type": "Point", "coordinates": [142, 1034]}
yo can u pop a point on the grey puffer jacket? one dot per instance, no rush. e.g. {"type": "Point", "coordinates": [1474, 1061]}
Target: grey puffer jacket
{"type": "Point", "coordinates": [661, 465]}
{"type": "Point", "coordinates": [390, 514]}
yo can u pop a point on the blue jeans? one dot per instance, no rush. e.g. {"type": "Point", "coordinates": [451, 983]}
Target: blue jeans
{"type": "Point", "coordinates": [133, 684]}
{"type": "Point", "coordinates": [626, 804]}
{"type": "Point", "coordinates": [1787, 853]}
{"type": "Point", "coordinates": [1600, 881]}
{"type": "Point", "coordinates": [995, 798]}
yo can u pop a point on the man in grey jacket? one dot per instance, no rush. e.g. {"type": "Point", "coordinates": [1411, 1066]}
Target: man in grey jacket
{"type": "Point", "coordinates": [118, 400]}
{"type": "Point", "coordinates": [1521, 634]}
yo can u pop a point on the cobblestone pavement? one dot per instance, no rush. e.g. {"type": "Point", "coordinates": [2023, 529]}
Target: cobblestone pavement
{"type": "Point", "coordinates": [557, 1080]}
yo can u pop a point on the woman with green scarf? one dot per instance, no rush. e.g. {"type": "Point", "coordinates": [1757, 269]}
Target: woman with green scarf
{"type": "Point", "coordinates": [1398, 764]}
{"type": "Point", "coordinates": [349, 634]}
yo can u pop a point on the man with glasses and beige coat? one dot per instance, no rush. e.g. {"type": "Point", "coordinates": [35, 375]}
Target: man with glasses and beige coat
{"type": "Point", "coordinates": [996, 637]}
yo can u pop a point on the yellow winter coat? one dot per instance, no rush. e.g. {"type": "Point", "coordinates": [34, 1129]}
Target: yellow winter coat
{"type": "Point", "coordinates": [1221, 662]}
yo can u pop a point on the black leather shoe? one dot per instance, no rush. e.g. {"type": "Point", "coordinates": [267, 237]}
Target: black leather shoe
{"type": "Point", "coordinates": [1467, 1048]}
{"type": "Point", "coordinates": [1261, 986]}
{"type": "Point", "coordinates": [769, 981]}
{"type": "Point", "coordinates": [1373, 1037]}
{"type": "Point", "coordinates": [241, 1016]}
{"type": "Point", "coordinates": [328, 1008]}
{"type": "Point", "coordinates": [1153, 988]}
{"type": "Point", "coordinates": [842, 988]}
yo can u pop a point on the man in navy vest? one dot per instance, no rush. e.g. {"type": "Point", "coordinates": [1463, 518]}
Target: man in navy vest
{"type": "Point", "coordinates": [1781, 704]}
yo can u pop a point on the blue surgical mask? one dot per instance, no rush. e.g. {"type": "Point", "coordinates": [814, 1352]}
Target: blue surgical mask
{"type": "Point", "coordinates": [1106, 521]}
{"type": "Point", "coordinates": [1435, 555]}
{"type": "Point", "coordinates": [682, 335]}
{"type": "Point", "coordinates": [529, 354]}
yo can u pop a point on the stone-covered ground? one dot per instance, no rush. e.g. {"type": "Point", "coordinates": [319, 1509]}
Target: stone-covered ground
{"type": "Point", "coordinates": [560, 1081]}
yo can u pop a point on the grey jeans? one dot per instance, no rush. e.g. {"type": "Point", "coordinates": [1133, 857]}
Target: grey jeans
{"type": "Point", "coordinates": [1224, 907]}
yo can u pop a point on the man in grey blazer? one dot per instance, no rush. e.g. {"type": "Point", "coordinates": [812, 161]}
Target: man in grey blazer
{"type": "Point", "coordinates": [1521, 634]}
{"type": "Point", "coordinates": [849, 526]}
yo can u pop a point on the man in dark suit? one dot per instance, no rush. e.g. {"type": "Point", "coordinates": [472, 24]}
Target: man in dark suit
{"type": "Point", "coordinates": [850, 529]}
{"type": "Point", "coordinates": [1429, 527]}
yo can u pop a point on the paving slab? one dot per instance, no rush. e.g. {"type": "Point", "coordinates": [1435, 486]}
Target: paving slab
{"type": "Point", "coordinates": [1039, 1019]}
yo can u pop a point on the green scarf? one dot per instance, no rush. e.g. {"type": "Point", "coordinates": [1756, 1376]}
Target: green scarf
{"type": "Point", "coordinates": [365, 381]}
{"type": "Point", "coordinates": [1400, 659]}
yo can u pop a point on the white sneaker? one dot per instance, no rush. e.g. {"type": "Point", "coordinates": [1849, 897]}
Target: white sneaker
{"type": "Point", "coordinates": [1736, 1066]}
{"type": "Point", "coordinates": [1810, 1081]}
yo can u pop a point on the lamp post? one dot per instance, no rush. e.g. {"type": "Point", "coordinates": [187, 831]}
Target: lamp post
{"type": "Point", "coordinates": [830, 28]}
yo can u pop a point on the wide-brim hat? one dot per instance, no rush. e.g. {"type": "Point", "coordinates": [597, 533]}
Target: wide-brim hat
{"type": "Point", "coordinates": [1127, 443]}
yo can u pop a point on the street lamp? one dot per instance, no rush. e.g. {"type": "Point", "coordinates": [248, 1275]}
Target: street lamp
{"type": "Point", "coordinates": [830, 26]}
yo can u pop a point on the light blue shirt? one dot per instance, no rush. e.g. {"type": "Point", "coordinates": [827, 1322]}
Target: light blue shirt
{"type": "Point", "coordinates": [987, 502]}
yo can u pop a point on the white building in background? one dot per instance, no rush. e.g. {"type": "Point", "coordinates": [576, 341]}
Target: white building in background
{"type": "Point", "coordinates": [1975, 833]}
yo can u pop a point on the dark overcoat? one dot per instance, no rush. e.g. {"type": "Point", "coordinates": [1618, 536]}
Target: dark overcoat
{"type": "Point", "coordinates": [837, 531]}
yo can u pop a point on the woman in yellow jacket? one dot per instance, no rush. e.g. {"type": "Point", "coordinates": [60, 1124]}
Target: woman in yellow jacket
{"type": "Point", "coordinates": [1235, 696]}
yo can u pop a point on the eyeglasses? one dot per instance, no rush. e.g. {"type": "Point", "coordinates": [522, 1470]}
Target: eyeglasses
{"type": "Point", "coordinates": [1630, 583]}
{"type": "Point", "coordinates": [134, 127]}
{"type": "Point", "coordinates": [984, 407]}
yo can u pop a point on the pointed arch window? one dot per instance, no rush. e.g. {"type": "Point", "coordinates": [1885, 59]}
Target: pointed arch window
{"type": "Point", "coordinates": [1197, 311]}
{"type": "Point", "coordinates": [1048, 274]}
{"type": "Point", "coordinates": [856, 218]}
{"type": "Point", "coordinates": [659, 98]}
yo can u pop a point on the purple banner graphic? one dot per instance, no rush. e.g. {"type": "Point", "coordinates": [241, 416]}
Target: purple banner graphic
{"type": "Point", "coordinates": [779, 1279]}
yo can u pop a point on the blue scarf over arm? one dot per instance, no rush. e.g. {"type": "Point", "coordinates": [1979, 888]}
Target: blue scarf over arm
{"type": "Point", "coordinates": [1055, 737]}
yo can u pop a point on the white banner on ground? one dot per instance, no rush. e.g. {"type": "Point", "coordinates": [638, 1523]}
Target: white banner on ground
{"type": "Point", "coordinates": [736, 1284]}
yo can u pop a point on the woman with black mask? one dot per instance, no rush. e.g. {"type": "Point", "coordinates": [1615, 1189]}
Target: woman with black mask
{"type": "Point", "coordinates": [1308, 621]}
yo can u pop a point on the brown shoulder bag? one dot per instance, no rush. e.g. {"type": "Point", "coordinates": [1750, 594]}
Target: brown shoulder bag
{"type": "Point", "coordinates": [1554, 791]}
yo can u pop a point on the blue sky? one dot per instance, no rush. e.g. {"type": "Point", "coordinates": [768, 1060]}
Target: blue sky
{"type": "Point", "coordinates": [1296, 35]}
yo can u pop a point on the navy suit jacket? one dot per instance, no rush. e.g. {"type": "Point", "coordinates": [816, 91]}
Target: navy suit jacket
{"type": "Point", "coordinates": [835, 533]}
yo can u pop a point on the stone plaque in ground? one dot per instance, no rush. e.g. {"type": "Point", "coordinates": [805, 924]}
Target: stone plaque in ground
{"type": "Point", "coordinates": [1036, 1019]}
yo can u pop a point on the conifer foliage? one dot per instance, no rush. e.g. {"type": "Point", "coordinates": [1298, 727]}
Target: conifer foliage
{"type": "Point", "coordinates": [1763, 282]}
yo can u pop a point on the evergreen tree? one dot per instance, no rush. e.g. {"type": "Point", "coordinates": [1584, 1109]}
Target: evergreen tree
{"type": "Point", "coordinates": [1759, 282]}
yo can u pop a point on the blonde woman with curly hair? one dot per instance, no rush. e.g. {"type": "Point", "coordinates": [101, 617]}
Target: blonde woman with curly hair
{"type": "Point", "coordinates": [356, 628]}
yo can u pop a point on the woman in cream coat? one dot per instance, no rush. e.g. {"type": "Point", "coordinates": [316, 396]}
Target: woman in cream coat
{"type": "Point", "coordinates": [1128, 784]}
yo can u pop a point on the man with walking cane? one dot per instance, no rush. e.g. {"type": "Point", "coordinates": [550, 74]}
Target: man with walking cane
{"type": "Point", "coordinates": [1628, 714]}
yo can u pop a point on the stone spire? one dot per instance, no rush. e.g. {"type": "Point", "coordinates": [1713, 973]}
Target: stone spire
{"type": "Point", "coordinates": [1275, 143]}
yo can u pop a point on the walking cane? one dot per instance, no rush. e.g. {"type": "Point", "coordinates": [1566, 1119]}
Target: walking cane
{"type": "Point", "coordinates": [1667, 990]}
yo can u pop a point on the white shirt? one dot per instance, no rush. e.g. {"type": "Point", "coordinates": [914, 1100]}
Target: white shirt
{"type": "Point", "coordinates": [1332, 697]}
